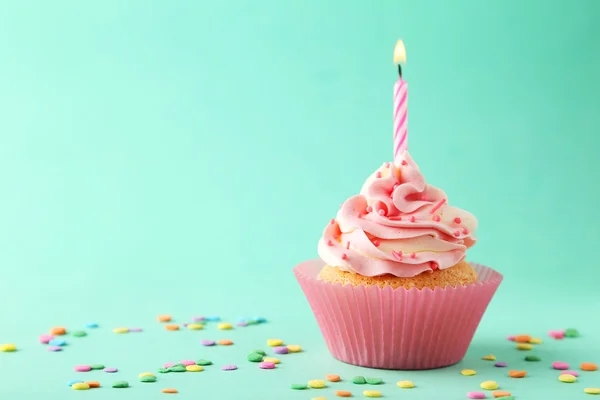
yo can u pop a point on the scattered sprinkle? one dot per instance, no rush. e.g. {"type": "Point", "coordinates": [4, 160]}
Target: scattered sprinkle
{"type": "Point", "coordinates": [185, 363]}
{"type": "Point", "coordinates": [501, 364]}
{"type": "Point", "coordinates": [522, 338]}
{"type": "Point", "coordinates": [294, 348]}
{"type": "Point", "coordinates": [120, 385]}
{"type": "Point", "coordinates": [71, 383]}
{"type": "Point", "coordinates": [557, 334]}
{"type": "Point", "coordinates": [80, 386]}
{"type": "Point", "coordinates": [8, 347]}
{"type": "Point", "coordinates": [225, 342]}
{"type": "Point", "coordinates": [168, 365]}
{"type": "Point", "coordinates": [82, 368]}
{"type": "Point", "coordinates": [169, 391]}
{"type": "Point", "coordinates": [177, 368]}
{"type": "Point", "coordinates": [255, 357]}
{"type": "Point", "coordinates": [97, 366]}
{"type": "Point", "coordinates": [359, 380]}
{"type": "Point", "coordinates": [148, 379]}
{"type": "Point", "coordinates": [195, 327]}
{"type": "Point", "coordinates": [91, 325]}
{"type": "Point", "coordinates": [58, 331]}
{"type": "Point", "coordinates": [79, 334]}
{"type": "Point", "coordinates": [299, 386]}
{"type": "Point", "coordinates": [172, 327]}
{"type": "Point", "coordinates": [164, 318]}
{"type": "Point", "coordinates": [591, 390]}
{"type": "Point", "coordinates": [261, 352]}
{"type": "Point", "coordinates": [535, 340]}
{"type": "Point", "coordinates": [194, 368]}
{"type": "Point", "coordinates": [343, 393]}
{"type": "Point", "coordinates": [280, 350]}
{"type": "Point", "coordinates": [163, 370]}
{"type": "Point", "coordinates": [145, 374]}
{"type": "Point", "coordinates": [560, 365]}
{"type": "Point", "coordinates": [45, 338]}
{"type": "Point", "coordinates": [489, 385]}
{"type": "Point", "coordinates": [333, 378]}
{"type": "Point", "coordinates": [110, 370]}
{"type": "Point", "coordinates": [274, 342]}
{"type": "Point", "coordinates": [121, 330]}
{"type": "Point", "coordinates": [374, 381]}
{"type": "Point", "coordinates": [93, 384]}
{"type": "Point", "coordinates": [57, 342]}
{"type": "Point", "coordinates": [524, 346]}
{"type": "Point", "coordinates": [319, 398]}
{"type": "Point", "coordinates": [571, 333]}
{"type": "Point", "coordinates": [476, 395]}
{"type": "Point", "coordinates": [405, 384]}
{"type": "Point", "coordinates": [574, 373]}
{"type": "Point", "coordinates": [135, 329]}
{"type": "Point", "coordinates": [588, 366]}
{"type": "Point", "coordinates": [490, 357]}
{"type": "Point", "coordinates": [198, 319]}
{"type": "Point", "coordinates": [316, 384]}
{"type": "Point", "coordinates": [229, 367]}
{"type": "Point", "coordinates": [372, 393]}
{"type": "Point", "coordinates": [468, 372]}
{"type": "Point", "coordinates": [224, 326]}
{"type": "Point", "coordinates": [272, 360]}
{"type": "Point", "coordinates": [532, 358]}
{"type": "Point", "coordinates": [266, 365]}
{"type": "Point", "coordinates": [205, 342]}
{"type": "Point", "coordinates": [50, 348]}
{"type": "Point", "coordinates": [567, 378]}
{"type": "Point", "coordinates": [517, 374]}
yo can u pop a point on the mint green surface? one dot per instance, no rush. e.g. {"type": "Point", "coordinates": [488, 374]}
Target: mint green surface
{"type": "Point", "coordinates": [182, 156]}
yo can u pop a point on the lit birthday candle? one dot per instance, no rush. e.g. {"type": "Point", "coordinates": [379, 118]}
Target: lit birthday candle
{"type": "Point", "coordinates": [400, 105]}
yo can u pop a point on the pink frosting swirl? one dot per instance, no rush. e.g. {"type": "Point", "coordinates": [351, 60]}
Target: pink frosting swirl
{"type": "Point", "coordinates": [397, 225]}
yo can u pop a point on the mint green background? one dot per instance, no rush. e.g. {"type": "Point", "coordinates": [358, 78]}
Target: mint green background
{"type": "Point", "coordinates": [181, 157]}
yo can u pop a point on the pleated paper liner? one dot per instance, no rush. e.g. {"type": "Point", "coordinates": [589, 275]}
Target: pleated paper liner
{"type": "Point", "coordinates": [397, 328]}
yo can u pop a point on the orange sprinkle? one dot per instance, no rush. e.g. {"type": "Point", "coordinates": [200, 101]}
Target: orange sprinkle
{"type": "Point", "coordinates": [517, 374]}
{"type": "Point", "coordinates": [333, 378]}
{"type": "Point", "coordinates": [58, 331]}
{"type": "Point", "coordinates": [522, 338]}
{"type": "Point", "coordinates": [172, 327]}
{"type": "Point", "coordinates": [164, 318]}
{"type": "Point", "coordinates": [343, 393]}
{"type": "Point", "coordinates": [169, 390]}
{"type": "Point", "coordinates": [589, 366]}
{"type": "Point", "coordinates": [225, 342]}
{"type": "Point", "coordinates": [500, 393]}
{"type": "Point", "coordinates": [93, 384]}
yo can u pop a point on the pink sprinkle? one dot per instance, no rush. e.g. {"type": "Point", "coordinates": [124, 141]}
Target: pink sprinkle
{"type": "Point", "coordinates": [574, 373]}
{"type": "Point", "coordinates": [476, 395]}
{"type": "Point", "coordinates": [413, 219]}
{"type": "Point", "coordinates": [358, 215]}
{"type": "Point", "coordinates": [413, 255]}
{"type": "Point", "coordinates": [378, 174]}
{"type": "Point", "coordinates": [511, 338]}
{"type": "Point", "coordinates": [404, 162]}
{"type": "Point", "coordinates": [344, 256]}
{"type": "Point", "coordinates": [423, 197]}
{"type": "Point", "coordinates": [456, 233]}
{"type": "Point", "coordinates": [387, 164]}
{"type": "Point", "coordinates": [560, 365]}
{"type": "Point", "coordinates": [329, 243]}
{"type": "Point", "coordinates": [332, 222]}
{"type": "Point", "coordinates": [187, 362]}
{"type": "Point", "coordinates": [397, 254]}
{"type": "Point", "coordinates": [376, 243]}
{"type": "Point", "coordinates": [45, 338]}
{"type": "Point", "coordinates": [82, 368]}
{"type": "Point", "coordinates": [438, 205]}
{"type": "Point", "coordinates": [266, 365]}
{"type": "Point", "coordinates": [557, 334]}
{"type": "Point", "coordinates": [168, 365]}
{"type": "Point", "coordinates": [230, 367]}
{"type": "Point", "coordinates": [437, 218]}
{"type": "Point", "coordinates": [434, 266]}
{"type": "Point", "coordinates": [369, 209]}
{"type": "Point", "coordinates": [381, 212]}
{"type": "Point", "coordinates": [457, 220]}
{"type": "Point", "coordinates": [465, 231]}
{"type": "Point", "coordinates": [347, 245]}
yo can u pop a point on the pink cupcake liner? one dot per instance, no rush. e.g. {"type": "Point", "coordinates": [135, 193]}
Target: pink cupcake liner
{"type": "Point", "coordinates": [397, 328]}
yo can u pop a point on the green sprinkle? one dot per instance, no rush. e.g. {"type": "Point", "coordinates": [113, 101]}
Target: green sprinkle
{"type": "Point", "coordinates": [359, 380]}
{"type": "Point", "coordinates": [374, 381]}
{"type": "Point", "coordinates": [508, 398]}
{"type": "Point", "coordinates": [299, 386]}
{"type": "Point", "coordinates": [177, 368]}
{"type": "Point", "coordinates": [262, 353]}
{"type": "Point", "coordinates": [79, 334]}
{"type": "Point", "coordinates": [252, 322]}
{"type": "Point", "coordinates": [120, 385]}
{"type": "Point", "coordinates": [204, 362]}
{"type": "Point", "coordinates": [148, 379]}
{"type": "Point", "coordinates": [97, 366]}
{"type": "Point", "coordinates": [163, 370]}
{"type": "Point", "coordinates": [532, 358]}
{"type": "Point", "coordinates": [255, 357]}
{"type": "Point", "coordinates": [571, 332]}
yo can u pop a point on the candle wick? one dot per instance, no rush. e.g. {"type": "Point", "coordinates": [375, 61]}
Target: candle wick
{"type": "Point", "coordinates": [400, 70]}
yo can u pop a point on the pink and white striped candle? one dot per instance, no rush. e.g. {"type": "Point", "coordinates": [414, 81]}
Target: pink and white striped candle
{"type": "Point", "coordinates": [400, 105]}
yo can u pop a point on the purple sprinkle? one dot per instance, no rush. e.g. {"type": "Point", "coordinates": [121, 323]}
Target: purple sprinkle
{"type": "Point", "coordinates": [185, 324]}
{"type": "Point", "coordinates": [135, 329]}
{"type": "Point", "coordinates": [110, 370]}
{"type": "Point", "coordinates": [207, 342]}
{"type": "Point", "coordinates": [243, 323]}
{"type": "Point", "coordinates": [501, 364]}
{"type": "Point", "coordinates": [230, 367]}
{"type": "Point", "coordinates": [266, 365]}
{"type": "Point", "coordinates": [280, 350]}
{"type": "Point", "coordinates": [54, 348]}
{"type": "Point", "coordinates": [198, 319]}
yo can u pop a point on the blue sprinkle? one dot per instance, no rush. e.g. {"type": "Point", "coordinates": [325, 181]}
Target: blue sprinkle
{"type": "Point", "coordinates": [71, 383]}
{"type": "Point", "coordinates": [260, 320]}
{"type": "Point", "coordinates": [213, 318]}
{"type": "Point", "coordinates": [57, 342]}
{"type": "Point", "coordinates": [91, 325]}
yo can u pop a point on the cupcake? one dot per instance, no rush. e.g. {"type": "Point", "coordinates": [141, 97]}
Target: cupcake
{"type": "Point", "coordinates": [392, 288]}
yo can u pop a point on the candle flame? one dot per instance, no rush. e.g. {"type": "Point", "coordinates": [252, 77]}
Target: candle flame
{"type": "Point", "coordinates": [399, 53]}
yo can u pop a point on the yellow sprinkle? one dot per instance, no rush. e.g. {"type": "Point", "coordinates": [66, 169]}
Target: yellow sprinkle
{"type": "Point", "coordinates": [294, 348]}
{"type": "Point", "coordinates": [372, 393]}
{"type": "Point", "coordinates": [271, 359]}
{"type": "Point", "coordinates": [316, 384]}
{"type": "Point", "coordinates": [8, 347]}
{"type": "Point", "coordinates": [567, 378]}
{"type": "Point", "coordinates": [145, 374]}
{"type": "Point", "coordinates": [489, 385]}
{"type": "Point", "coordinates": [319, 398]}
{"type": "Point", "coordinates": [80, 386]}
{"type": "Point", "coordinates": [194, 368]}
{"type": "Point", "coordinates": [524, 346]}
{"type": "Point", "coordinates": [490, 357]}
{"type": "Point", "coordinates": [195, 327]}
{"type": "Point", "coordinates": [274, 342]}
{"type": "Point", "coordinates": [405, 384]}
{"type": "Point", "coordinates": [591, 390]}
{"type": "Point", "coordinates": [468, 372]}
{"type": "Point", "coordinates": [121, 330]}
{"type": "Point", "coordinates": [535, 340]}
{"type": "Point", "coordinates": [224, 326]}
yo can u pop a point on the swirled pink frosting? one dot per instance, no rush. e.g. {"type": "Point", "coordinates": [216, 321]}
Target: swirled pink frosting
{"type": "Point", "coordinates": [397, 225]}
